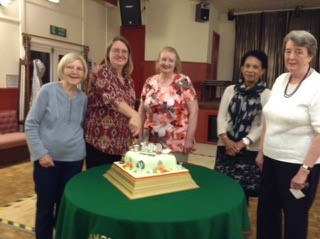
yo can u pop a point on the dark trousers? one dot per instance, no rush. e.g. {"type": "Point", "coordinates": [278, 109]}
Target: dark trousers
{"type": "Point", "coordinates": [96, 158]}
{"type": "Point", "coordinates": [275, 199]}
{"type": "Point", "coordinates": [49, 186]}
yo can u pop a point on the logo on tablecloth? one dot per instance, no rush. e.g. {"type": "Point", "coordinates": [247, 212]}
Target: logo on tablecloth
{"type": "Point", "coordinates": [97, 236]}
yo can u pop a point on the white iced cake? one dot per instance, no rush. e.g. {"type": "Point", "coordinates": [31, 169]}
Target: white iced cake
{"type": "Point", "coordinates": [149, 163]}
{"type": "Point", "coordinates": [148, 171]}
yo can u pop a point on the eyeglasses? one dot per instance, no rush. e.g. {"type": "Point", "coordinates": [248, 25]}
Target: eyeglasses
{"type": "Point", "coordinates": [117, 51]}
{"type": "Point", "coordinates": [296, 53]}
{"type": "Point", "coordinates": [77, 68]}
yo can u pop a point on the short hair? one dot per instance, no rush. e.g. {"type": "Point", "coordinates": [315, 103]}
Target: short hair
{"type": "Point", "coordinates": [178, 65]}
{"type": "Point", "coordinates": [302, 38]}
{"type": "Point", "coordinates": [128, 67]}
{"type": "Point", "coordinates": [67, 59]}
{"type": "Point", "coordinates": [260, 55]}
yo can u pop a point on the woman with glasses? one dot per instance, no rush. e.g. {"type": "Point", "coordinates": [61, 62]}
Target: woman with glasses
{"type": "Point", "coordinates": [111, 120]}
{"type": "Point", "coordinates": [54, 130]}
{"type": "Point", "coordinates": [169, 107]}
{"type": "Point", "coordinates": [289, 152]}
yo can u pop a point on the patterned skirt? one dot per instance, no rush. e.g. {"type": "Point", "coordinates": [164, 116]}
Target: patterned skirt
{"type": "Point", "coordinates": [241, 168]}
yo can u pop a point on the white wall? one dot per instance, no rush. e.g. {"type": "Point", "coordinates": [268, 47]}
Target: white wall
{"type": "Point", "coordinates": [92, 23]}
{"type": "Point", "coordinates": [84, 20]}
{"type": "Point", "coordinates": [113, 21]}
{"type": "Point", "coordinates": [173, 23]}
{"type": "Point", "coordinates": [226, 51]}
{"type": "Point", "coordinates": [66, 14]}
{"type": "Point", "coordinates": [95, 29]}
{"type": "Point", "coordinates": [9, 42]}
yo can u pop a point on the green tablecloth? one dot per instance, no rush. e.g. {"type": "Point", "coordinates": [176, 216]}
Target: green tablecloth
{"type": "Point", "coordinates": [91, 205]}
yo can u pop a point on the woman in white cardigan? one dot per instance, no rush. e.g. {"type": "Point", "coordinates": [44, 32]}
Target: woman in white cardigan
{"type": "Point", "coordinates": [240, 123]}
{"type": "Point", "coordinates": [289, 152]}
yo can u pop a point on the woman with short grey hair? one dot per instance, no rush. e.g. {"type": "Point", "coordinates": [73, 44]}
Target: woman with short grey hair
{"type": "Point", "coordinates": [289, 154]}
{"type": "Point", "coordinates": [54, 130]}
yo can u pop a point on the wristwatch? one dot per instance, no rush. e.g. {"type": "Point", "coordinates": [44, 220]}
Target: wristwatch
{"type": "Point", "coordinates": [306, 167]}
{"type": "Point", "coordinates": [246, 141]}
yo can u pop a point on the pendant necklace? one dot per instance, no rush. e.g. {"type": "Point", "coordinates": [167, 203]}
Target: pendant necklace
{"type": "Point", "coordinates": [286, 95]}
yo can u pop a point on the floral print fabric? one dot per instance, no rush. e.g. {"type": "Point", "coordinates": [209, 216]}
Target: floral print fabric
{"type": "Point", "coordinates": [166, 111]}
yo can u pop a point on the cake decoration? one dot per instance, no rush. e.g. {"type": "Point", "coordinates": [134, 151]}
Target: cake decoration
{"type": "Point", "coordinates": [148, 170]}
{"type": "Point", "coordinates": [149, 159]}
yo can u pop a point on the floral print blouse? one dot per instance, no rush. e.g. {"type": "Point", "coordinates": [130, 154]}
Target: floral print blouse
{"type": "Point", "coordinates": [105, 128]}
{"type": "Point", "coordinates": [166, 111]}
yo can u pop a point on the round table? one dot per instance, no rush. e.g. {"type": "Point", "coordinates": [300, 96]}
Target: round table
{"type": "Point", "coordinates": [92, 206]}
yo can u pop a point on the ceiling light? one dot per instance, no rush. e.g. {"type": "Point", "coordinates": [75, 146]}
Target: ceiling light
{"type": "Point", "coordinates": [5, 2]}
{"type": "Point", "coordinates": [55, 1]}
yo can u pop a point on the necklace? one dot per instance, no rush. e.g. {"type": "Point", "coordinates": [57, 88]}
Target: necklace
{"type": "Point", "coordinates": [286, 95]}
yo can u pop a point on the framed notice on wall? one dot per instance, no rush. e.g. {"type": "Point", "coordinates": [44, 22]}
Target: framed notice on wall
{"type": "Point", "coordinates": [12, 81]}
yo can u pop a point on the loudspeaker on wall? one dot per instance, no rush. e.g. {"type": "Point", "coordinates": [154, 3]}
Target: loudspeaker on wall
{"type": "Point", "coordinates": [130, 12]}
{"type": "Point", "coordinates": [202, 12]}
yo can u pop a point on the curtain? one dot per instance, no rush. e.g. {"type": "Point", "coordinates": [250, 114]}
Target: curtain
{"type": "Point", "coordinates": [247, 38]}
{"type": "Point", "coordinates": [274, 24]}
{"type": "Point", "coordinates": [265, 31]}
{"type": "Point", "coordinates": [308, 20]}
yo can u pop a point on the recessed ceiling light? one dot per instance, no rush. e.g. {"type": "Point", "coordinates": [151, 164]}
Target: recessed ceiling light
{"type": "Point", "coordinates": [55, 1]}
{"type": "Point", "coordinates": [5, 2]}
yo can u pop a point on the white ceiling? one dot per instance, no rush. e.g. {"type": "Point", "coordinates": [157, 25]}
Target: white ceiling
{"type": "Point", "coordinates": [246, 6]}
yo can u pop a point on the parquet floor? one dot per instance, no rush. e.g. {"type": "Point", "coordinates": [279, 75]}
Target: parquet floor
{"type": "Point", "coordinates": [17, 182]}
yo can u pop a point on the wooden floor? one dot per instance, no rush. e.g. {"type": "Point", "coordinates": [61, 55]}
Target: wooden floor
{"type": "Point", "coordinates": [17, 183]}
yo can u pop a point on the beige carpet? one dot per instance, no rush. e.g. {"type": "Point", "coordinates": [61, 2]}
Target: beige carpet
{"type": "Point", "coordinates": [204, 155]}
{"type": "Point", "coordinates": [20, 213]}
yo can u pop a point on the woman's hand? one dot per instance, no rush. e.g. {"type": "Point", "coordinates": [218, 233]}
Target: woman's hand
{"type": "Point", "coordinates": [231, 147]}
{"type": "Point", "coordinates": [240, 145]}
{"type": "Point", "coordinates": [135, 125]}
{"type": "Point", "coordinates": [46, 161]}
{"type": "Point", "coordinates": [298, 182]}
{"type": "Point", "coordinates": [135, 122]}
{"type": "Point", "coordinates": [189, 145]}
{"type": "Point", "coordinates": [259, 160]}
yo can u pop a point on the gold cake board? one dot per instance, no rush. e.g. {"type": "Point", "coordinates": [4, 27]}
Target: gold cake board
{"type": "Point", "coordinates": [135, 188]}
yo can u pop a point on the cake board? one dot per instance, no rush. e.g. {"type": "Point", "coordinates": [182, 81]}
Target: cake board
{"type": "Point", "coordinates": [148, 186]}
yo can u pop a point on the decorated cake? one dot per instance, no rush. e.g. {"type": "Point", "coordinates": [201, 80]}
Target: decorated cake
{"type": "Point", "coordinates": [146, 163]}
{"type": "Point", "coordinates": [148, 170]}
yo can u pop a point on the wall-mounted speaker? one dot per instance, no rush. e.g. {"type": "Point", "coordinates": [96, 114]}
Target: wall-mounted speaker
{"type": "Point", "coordinates": [231, 15]}
{"type": "Point", "coordinates": [130, 12]}
{"type": "Point", "coordinates": [202, 12]}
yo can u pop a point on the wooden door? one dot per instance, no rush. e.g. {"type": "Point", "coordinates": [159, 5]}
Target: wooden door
{"type": "Point", "coordinates": [136, 37]}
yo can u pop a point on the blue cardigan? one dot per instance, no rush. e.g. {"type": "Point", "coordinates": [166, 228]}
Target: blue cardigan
{"type": "Point", "coordinates": [54, 124]}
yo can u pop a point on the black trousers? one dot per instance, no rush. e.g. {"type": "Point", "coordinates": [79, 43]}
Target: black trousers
{"type": "Point", "coordinates": [275, 199]}
{"type": "Point", "coordinates": [49, 186]}
{"type": "Point", "coordinates": [96, 158]}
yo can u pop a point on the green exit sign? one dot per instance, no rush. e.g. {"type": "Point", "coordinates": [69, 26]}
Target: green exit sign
{"type": "Point", "coordinates": [58, 31]}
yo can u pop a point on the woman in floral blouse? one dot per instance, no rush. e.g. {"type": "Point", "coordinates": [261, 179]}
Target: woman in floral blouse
{"type": "Point", "coordinates": [111, 118]}
{"type": "Point", "coordinates": [169, 107]}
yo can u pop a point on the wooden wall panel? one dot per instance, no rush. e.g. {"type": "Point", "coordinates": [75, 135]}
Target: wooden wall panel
{"type": "Point", "coordinates": [113, 2]}
{"type": "Point", "coordinates": [203, 126]}
{"type": "Point", "coordinates": [9, 99]}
